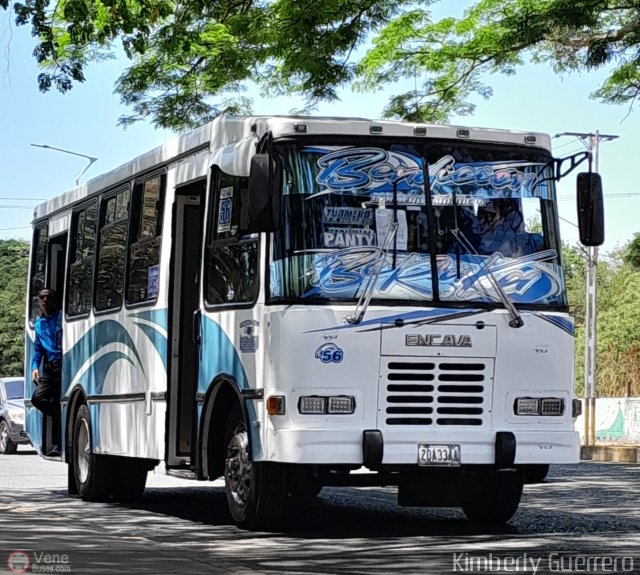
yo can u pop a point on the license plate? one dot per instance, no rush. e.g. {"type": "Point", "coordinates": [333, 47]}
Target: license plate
{"type": "Point", "coordinates": [430, 454]}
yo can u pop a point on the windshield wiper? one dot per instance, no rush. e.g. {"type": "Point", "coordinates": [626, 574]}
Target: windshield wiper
{"type": "Point", "coordinates": [372, 280]}
{"type": "Point", "coordinates": [516, 318]}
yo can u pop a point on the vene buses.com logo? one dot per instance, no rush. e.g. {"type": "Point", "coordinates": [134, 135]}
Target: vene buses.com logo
{"type": "Point", "coordinates": [18, 562]}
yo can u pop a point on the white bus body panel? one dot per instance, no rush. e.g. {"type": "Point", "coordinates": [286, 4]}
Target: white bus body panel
{"type": "Point", "coordinates": [535, 360]}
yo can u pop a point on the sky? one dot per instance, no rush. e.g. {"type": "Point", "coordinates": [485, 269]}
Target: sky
{"type": "Point", "coordinates": [84, 121]}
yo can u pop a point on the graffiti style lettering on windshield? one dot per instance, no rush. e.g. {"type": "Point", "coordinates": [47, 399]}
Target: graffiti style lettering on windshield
{"type": "Point", "coordinates": [506, 178]}
{"type": "Point", "coordinates": [525, 279]}
{"type": "Point", "coordinates": [363, 169]}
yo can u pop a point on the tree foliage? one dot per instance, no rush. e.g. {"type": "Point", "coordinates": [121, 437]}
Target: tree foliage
{"type": "Point", "coordinates": [14, 261]}
{"type": "Point", "coordinates": [618, 321]}
{"type": "Point", "coordinates": [192, 59]}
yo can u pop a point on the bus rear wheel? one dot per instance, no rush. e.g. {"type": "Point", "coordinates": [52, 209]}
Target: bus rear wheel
{"type": "Point", "coordinates": [93, 473]}
{"type": "Point", "coordinates": [255, 491]}
{"type": "Point", "coordinates": [490, 497]}
{"type": "Point", "coordinates": [130, 479]}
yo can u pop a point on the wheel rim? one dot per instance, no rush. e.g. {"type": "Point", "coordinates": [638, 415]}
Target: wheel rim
{"type": "Point", "coordinates": [4, 436]}
{"type": "Point", "coordinates": [238, 469]}
{"type": "Point", "coordinates": [83, 451]}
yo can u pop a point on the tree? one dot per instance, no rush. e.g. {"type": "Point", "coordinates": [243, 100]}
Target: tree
{"type": "Point", "coordinates": [632, 255]}
{"type": "Point", "coordinates": [186, 53]}
{"type": "Point", "coordinates": [191, 59]}
{"type": "Point", "coordinates": [14, 261]}
{"type": "Point", "coordinates": [497, 36]}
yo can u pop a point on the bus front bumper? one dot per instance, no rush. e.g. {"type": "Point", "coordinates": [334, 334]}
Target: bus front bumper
{"type": "Point", "coordinates": [477, 447]}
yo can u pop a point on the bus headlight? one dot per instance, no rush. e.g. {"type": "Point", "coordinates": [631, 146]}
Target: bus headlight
{"type": "Point", "coordinates": [332, 405]}
{"type": "Point", "coordinates": [312, 404]}
{"type": "Point", "coordinates": [547, 406]}
{"type": "Point", "coordinates": [551, 406]}
{"type": "Point", "coordinates": [527, 406]}
{"type": "Point", "coordinates": [341, 404]}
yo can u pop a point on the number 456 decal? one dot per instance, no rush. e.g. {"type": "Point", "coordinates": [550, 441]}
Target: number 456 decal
{"type": "Point", "coordinates": [329, 353]}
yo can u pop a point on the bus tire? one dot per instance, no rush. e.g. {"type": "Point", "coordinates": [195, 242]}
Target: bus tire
{"type": "Point", "coordinates": [307, 488]}
{"type": "Point", "coordinates": [491, 497]}
{"type": "Point", "coordinates": [130, 479]}
{"type": "Point", "coordinates": [93, 473]}
{"type": "Point", "coordinates": [7, 447]}
{"type": "Point", "coordinates": [535, 473]}
{"type": "Point", "coordinates": [255, 491]}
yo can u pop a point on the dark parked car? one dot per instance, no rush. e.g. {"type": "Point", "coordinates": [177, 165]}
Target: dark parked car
{"type": "Point", "coordinates": [11, 414]}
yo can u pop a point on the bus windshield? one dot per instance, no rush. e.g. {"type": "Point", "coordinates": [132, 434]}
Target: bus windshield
{"type": "Point", "coordinates": [491, 212]}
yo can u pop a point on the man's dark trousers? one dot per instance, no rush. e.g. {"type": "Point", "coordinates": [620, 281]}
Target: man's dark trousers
{"type": "Point", "coordinates": [46, 397]}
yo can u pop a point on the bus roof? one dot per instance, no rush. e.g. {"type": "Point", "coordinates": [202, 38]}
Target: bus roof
{"type": "Point", "coordinates": [230, 132]}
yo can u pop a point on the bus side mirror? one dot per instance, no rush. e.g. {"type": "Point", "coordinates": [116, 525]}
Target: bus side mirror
{"type": "Point", "coordinates": [261, 200]}
{"type": "Point", "coordinates": [590, 209]}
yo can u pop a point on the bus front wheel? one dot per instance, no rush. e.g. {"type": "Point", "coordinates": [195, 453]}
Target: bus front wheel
{"type": "Point", "coordinates": [490, 497]}
{"type": "Point", "coordinates": [93, 473]}
{"type": "Point", "coordinates": [255, 491]}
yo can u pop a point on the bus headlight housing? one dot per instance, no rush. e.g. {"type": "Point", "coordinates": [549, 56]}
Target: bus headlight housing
{"type": "Point", "coordinates": [527, 406]}
{"type": "Point", "coordinates": [312, 404]}
{"type": "Point", "coordinates": [332, 405]}
{"type": "Point", "coordinates": [547, 406]}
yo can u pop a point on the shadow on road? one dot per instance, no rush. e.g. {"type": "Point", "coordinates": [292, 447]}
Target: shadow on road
{"type": "Point", "coordinates": [335, 514]}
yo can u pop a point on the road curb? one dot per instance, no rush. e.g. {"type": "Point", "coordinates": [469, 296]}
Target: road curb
{"type": "Point", "coordinates": [612, 453]}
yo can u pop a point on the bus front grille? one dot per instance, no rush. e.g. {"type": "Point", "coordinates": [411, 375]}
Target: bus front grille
{"type": "Point", "coordinates": [436, 391]}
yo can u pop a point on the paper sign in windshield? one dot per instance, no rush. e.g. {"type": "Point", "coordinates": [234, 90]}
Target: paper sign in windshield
{"type": "Point", "coordinates": [348, 237]}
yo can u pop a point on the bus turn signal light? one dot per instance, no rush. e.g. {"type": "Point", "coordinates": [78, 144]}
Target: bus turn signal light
{"type": "Point", "coordinates": [275, 405]}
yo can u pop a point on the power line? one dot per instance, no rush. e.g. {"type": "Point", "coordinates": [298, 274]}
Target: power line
{"type": "Point", "coordinates": [16, 228]}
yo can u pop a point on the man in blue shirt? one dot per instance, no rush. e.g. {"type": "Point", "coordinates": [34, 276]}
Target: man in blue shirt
{"type": "Point", "coordinates": [48, 350]}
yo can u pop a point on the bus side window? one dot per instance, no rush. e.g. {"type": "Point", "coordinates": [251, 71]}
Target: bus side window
{"type": "Point", "coordinates": [114, 217]}
{"type": "Point", "coordinates": [83, 247]}
{"type": "Point", "coordinates": [232, 261]}
{"type": "Point", "coordinates": [146, 235]}
{"type": "Point", "coordinates": [38, 268]}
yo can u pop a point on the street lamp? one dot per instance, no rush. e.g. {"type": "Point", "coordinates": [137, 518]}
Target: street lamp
{"type": "Point", "coordinates": [90, 158]}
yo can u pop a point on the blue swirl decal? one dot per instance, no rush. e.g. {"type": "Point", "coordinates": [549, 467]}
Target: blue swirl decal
{"type": "Point", "coordinates": [158, 340]}
{"type": "Point", "coordinates": [415, 317]}
{"type": "Point", "coordinates": [219, 356]}
{"type": "Point", "coordinates": [92, 380]}
{"type": "Point", "coordinates": [102, 334]}
{"type": "Point", "coordinates": [33, 418]}
{"type": "Point", "coordinates": [564, 323]}
{"type": "Point", "coordinates": [158, 316]}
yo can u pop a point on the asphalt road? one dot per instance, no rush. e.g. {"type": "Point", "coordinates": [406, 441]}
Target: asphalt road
{"type": "Point", "coordinates": [587, 511]}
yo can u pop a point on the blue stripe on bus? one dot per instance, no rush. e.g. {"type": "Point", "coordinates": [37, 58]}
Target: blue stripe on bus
{"type": "Point", "coordinates": [92, 380]}
{"type": "Point", "coordinates": [564, 323]}
{"type": "Point", "coordinates": [432, 314]}
{"type": "Point", "coordinates": [33, 418]}
{"type": "Point", "coordinates": [158, 316]}
{"type": "Point", "coordinates": [158, 340]}
{"type": "Point", "coordinates": [102, 334]}
{"type": "Point", "coordinates": [219, 356]}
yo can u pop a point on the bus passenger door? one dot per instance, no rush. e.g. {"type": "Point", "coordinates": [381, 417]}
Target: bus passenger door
{"type": "Point", "coordinates": [184, 302]}
{"type": "Point", "coordinates": [56, 266]}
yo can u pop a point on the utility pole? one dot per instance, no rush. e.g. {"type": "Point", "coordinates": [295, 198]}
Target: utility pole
{"type": "Point", "coordinates": [90, 158]}
{"type": "Point", "coordinates": [591, 141]}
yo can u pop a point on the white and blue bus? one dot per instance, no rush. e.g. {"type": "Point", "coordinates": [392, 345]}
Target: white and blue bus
{"type": "Point", "coordinates": [288, 302]}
